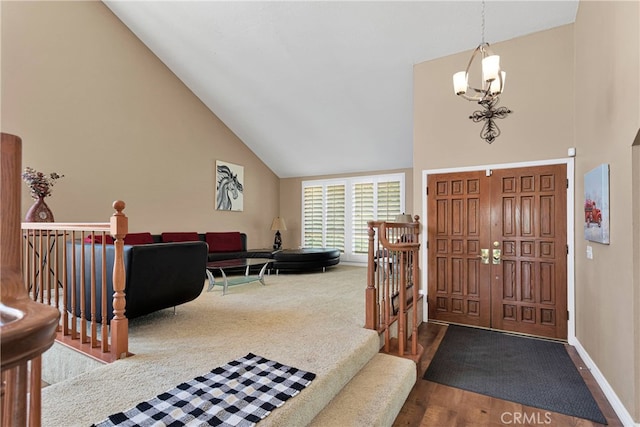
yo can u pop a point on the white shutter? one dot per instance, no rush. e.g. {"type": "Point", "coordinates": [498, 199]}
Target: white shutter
{"type": "Point", "coordinates": [335, 216]}
{"type": "Point", "coordinates": [388, 206]}
{"type": "Point", "coordinates": [313, 216]}
{"type": "Point", "coordinates": [363, 212]}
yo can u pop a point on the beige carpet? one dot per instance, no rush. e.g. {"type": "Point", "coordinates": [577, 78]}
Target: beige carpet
{"type": "Point", "coordinates": [311, 321]}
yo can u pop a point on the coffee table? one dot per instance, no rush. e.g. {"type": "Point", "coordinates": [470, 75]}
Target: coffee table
{"type": "Point", "coordinates": [234, 264]}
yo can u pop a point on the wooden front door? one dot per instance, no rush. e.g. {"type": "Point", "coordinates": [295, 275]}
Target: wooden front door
{"type": "Point", "coordinates": [497, 249]}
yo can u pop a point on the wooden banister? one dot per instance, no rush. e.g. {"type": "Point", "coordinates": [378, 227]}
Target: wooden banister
{"type": "Point", "coordinates": [83, 281]}
{"type": "Point", "coordinates": [119, 323]}
{"type": "Point", "coordinates": [398, 245]}
{"type": "Point", "coordinates": [27, 328]}
{"type": "Point", "coordinates": [392, 293]}
{"type": "Point", "coordinates": [68, 226]}
{"type": "Point", "coordinates": [371, 303]}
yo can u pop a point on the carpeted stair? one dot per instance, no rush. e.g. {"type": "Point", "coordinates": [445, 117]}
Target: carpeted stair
{"type": "Point", "coordinates": [313, 322]}
{"type": "Point", "coordinates": [373, 397]}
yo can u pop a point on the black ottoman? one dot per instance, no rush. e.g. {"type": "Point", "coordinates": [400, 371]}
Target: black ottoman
{"type": "Point", "coordinates": [305, 259]}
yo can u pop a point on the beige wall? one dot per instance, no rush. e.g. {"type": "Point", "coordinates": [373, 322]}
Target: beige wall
{"type": "Point", "coordinates": [607, 105]}
{"type": "Point", "coordinates": [90, 101]}
{"type": "Point", "coordinates": [589, 73]}
{"type": "Point", "coordinates": [291, 201]}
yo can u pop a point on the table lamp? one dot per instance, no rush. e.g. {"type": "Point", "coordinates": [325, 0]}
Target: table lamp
{"type": "Point", "coordinates": [403, 218]}
{"type": "Point", "coordinates": [276, 225]}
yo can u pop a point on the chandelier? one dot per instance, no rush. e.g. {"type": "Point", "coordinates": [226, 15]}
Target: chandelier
{"type": "Point", "coordinates": [489, 90]}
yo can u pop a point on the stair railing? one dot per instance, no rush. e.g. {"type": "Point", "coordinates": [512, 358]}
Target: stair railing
{"type": "Point", "coordinates": [27, 328]}
{"type": "Point", "coordinates": [392, 292]}
{"type": "Point", "coordinates": [58, 261]}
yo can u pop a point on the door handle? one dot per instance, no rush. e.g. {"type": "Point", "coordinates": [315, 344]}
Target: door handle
{"type": "Point", "coordinates": [497, 254]}
{"type": "Point", "coordinates": [484, 255]}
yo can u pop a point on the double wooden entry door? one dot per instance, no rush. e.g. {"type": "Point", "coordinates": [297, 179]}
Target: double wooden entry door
{"type": "Point", "coordinates": [497, 249]}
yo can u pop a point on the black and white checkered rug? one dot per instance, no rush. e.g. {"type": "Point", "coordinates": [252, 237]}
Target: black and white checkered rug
{"type": "Point", "coordinates": [240, 393]}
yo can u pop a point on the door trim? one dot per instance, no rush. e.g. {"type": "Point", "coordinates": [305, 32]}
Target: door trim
{"type": "Point", "coordinates": [570, 162]}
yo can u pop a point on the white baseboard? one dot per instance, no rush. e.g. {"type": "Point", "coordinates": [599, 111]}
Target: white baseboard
{"type": "Point", "coordinates": [612, 397]}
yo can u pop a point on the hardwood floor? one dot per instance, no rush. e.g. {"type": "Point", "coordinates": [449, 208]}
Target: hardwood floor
{"type": "Point", "coordinates": [435, 405]}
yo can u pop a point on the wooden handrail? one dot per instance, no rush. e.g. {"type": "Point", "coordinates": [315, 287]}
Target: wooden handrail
{"type": "Point", "coordinates": [76, 292]}
{"type": "Point", "coordinates": [35, 291]}
{"type": "Point", "coordinates": [27, 328]}
{"type": "Point", "coordinates": [392, 292]}
{"type": "Point", "coordinates": [68, 226]}
{"type": "Point", "coordinates": [404, 246]}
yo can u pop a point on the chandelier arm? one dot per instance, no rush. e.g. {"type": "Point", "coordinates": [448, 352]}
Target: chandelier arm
{"type": "Point", "coordinates": [475, 98]}
{"type": "Point", "coordinates": [473, 55]}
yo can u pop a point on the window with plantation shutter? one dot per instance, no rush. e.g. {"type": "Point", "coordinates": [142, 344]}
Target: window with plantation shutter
{"type": "Point", "coordinates": [374, 198]}
{"type": "Point", "coordinates": [313, 226]}
{"type": "Point", "coordinates": [336, 211]}
{"type": "Point", "coordinates": [334, 224]}
{"type": "Point", "coordinates": [324, 215]}
{"type": "Point", "coordinates": [388, 206]}
{"type": "Point", "coordinates": [363, 211]}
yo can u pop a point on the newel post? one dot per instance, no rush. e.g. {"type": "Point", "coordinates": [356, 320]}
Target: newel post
{"type": "Point", "coordinates": [119, 323]}
{"type": "Point", "coordinates": [371, 312]}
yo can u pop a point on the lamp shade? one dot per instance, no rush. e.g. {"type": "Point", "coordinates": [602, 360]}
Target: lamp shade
{"type": "Point", "coordinates": [497, 86]}
{"type": "Point", "coordinates": [278, 224]}
{"type": "Point", "coordinates": [403, 218]}
{"type": "Point", "coordinates": [460, 82]}
{"type": "Point", "coordinates": [490, 67]}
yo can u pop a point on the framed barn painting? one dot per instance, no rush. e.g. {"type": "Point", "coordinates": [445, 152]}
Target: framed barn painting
{"type": "Point", "coordinates": [229, 187]}
{"type": "Point", "coordinates": [596, 204]}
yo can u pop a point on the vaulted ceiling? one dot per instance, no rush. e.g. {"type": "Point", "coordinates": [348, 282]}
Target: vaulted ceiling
{"type": "Point", "coordinates": [323, 87]}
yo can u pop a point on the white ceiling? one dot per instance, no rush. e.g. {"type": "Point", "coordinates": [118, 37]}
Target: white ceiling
{"type": "Point", "coordinates": [322, 87]}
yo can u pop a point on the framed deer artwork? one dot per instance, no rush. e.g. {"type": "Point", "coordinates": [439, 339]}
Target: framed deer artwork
{"type": "Point", "coordinates": [229, 187]}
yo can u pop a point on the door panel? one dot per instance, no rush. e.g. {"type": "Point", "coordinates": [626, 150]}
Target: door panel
{"type": "Point", "coordinates": [519, 212]}
{"type": "Point", "coordinates": [460, 219]}
{"type": "Point", "coordinates": [529, 292]}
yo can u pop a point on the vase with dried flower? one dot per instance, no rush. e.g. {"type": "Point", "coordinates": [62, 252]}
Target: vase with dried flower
{"type": "Point", "coordinates": [40, 187]}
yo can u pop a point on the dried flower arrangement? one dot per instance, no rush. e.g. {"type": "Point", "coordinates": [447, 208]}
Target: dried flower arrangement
{"type": "Point", "coordinates": [39, 183]}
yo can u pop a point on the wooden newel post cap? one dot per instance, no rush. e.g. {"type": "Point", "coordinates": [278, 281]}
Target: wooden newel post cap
{"type": "Point", "coordinates": [119, 206]}
{"type": "Point", "coordinates": [119, 221]}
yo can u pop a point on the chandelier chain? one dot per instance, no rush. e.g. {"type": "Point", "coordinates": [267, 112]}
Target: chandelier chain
{"type": "Point", "coordinates": [482, 21]}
